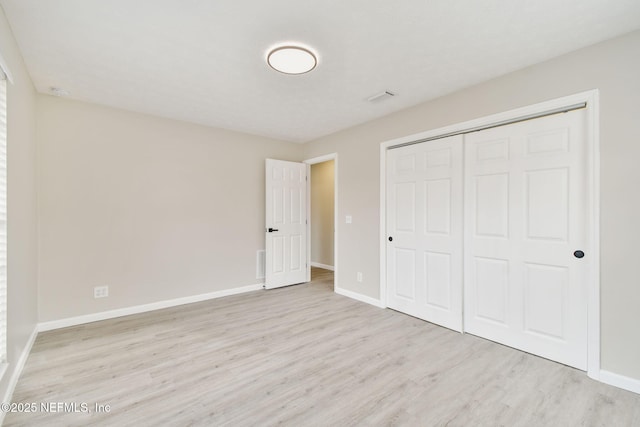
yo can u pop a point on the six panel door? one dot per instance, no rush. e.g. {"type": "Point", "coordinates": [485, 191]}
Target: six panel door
{"type": "Point", "coordinates": [524, 217]}
{"type": "Point", "coordinates": [286, 219]}
{"type": "Point", "coordinates": [424, 225]}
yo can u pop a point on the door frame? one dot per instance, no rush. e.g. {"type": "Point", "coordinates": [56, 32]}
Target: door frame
{"type": "Point", "coordinates": [592, 110]}
{"type": "Point", "coordinates": [309, 162]}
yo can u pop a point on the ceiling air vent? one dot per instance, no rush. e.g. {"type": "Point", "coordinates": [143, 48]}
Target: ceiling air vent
{"type": "Point", "coordinates": [56, 91]}
{"type": "Point", "coordinates": [381, 96]}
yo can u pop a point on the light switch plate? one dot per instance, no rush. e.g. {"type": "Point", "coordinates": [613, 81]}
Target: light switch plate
{"type": "Point", "coordinates": [349, 219]}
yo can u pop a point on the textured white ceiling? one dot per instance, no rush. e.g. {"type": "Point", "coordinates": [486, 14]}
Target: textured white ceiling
{"type": "Point", "coordinates": [203, 61]}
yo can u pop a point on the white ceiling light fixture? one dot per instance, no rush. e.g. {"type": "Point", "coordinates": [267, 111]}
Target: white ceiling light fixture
{"type": "Point", "coordinates": [292, 59]}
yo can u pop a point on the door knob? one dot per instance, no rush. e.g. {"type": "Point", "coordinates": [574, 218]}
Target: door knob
{"type": "Point", "coordinates": [271, 230]}
{"type": "Point", "coordinates": [578, 254]}
{"type": "Point", "coordinates": [390, 239]}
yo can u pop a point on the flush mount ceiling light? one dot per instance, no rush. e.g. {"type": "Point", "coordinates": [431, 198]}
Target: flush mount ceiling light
{"type": "Point", "coordinates": [292, 59]}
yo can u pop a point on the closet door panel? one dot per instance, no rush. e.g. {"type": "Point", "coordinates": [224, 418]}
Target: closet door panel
{"type": "Point", "coordinates": [424, 222]}
{"type": "Point", "coordinates": [525, 215]}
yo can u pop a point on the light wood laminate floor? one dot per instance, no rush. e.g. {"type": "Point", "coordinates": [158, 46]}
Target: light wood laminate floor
{"type": "Point", "coordinates": [298, 356]}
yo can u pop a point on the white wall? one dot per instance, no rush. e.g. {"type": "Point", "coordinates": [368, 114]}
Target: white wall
{"type": "Point", "coordinates": [614, 68]}
{"type": "Point", "coordinates": [21, 204]}
{"type": "Point", "coordinates": [322, 212]}
{"type": "Point", "coordinates": [156, 209]}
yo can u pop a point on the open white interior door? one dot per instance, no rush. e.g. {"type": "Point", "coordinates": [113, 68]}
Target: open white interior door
{"type": "Point", "coordinates": [286, 224]}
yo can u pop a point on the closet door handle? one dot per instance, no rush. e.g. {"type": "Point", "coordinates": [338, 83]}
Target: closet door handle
{"type": "Point", "coordinates": [271, 230]}
{"type": "Point", "coordinates": [390, 239]}
{"type": "Point", "coordinates": [578, 254]}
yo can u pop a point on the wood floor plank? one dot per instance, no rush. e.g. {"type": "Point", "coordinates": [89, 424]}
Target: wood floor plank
{"type": "Point", "coordinates": [302, 355]}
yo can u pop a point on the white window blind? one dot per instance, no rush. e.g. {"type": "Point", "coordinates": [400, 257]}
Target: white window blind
{"type": "Point", "coordinates": [3, 218]}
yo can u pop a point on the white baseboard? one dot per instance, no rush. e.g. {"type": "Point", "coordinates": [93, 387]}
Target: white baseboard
{"type": "Point", "coordinates": [15, 376]}
{"type": "Point", "coordinates": [359, 297]}
{"type": "Point", "coordinates": [319, 265]}
{"type": "Point", "coordinates": [620, 381]}
{"type": "Point", "coordinates": [111, 314]}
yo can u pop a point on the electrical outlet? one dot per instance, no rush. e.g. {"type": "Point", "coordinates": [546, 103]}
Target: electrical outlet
{"type": "Point", "coordinates": [100, 291]}
{"type": "Point", "coordinates": [359, 277]}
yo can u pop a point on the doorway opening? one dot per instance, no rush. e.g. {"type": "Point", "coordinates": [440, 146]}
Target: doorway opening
{"type": "Point", "coordinates": [322, 208]}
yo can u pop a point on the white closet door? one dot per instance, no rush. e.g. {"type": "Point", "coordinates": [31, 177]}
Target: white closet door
{"type": "Point", "coordinates": [525, 216]}
{"type": "Point", "coordinates": [424, 226]}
